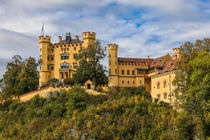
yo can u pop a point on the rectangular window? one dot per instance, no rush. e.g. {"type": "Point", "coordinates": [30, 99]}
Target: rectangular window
{"type": "Point", "coordinates": [123, 72]}
{"type": "Point", "coordinates": [115, 71]}
{"type": "Point", "coordinates": [75, 65]}
{"type": "Point", "coordinates": [133, 82]}
{"type": "Point", "coordinates": [48, 67]}
{"type": "Point", "coordinates": [128, 72]}
{"type": "Point", "coordinates": [52, 67]}
{"type": "Point", "coordinates": [128, 82]}
{"type": "Point", "coordinates": [52, 57]}
{"type": "Point", "coordinates": [122, 82]}
{"type": "Point", "coordinates": [133, 72]}
{"type": "Point", "coordinates": [48, 57]}
{"type": "Point", "coordinates": [52, 50]}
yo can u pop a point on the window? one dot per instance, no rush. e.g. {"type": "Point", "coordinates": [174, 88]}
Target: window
{"type": "Point", "coordinates": [48, 57]}
{"type": "Point", "coordinates": [140, 81]}
{"type": "Point", "coordinates": [48, 67]}
{"type": "Point", "coordinates": [75, 48]}
{"type": "Point", "coordinates": [128, 72]}
{"type": "Point", "coordinates": [109, 55]}
{"type": "Point", "coordinates": [123, 72]}
{"type": "Point", "coordinates": [64, 65]}
{"type": "Point", "coordinates": [75, 65]}
{"type": "Point", "coordinates": [158, 96]}
{"type": "Point", "coordinates": [133, 72]}
{"type": "Point", "coordinates": [122, 81]}
{"type": "Point", "coordinates": [133, 82]}
{"type": "Point", "coordinates": [165, 84]}
{"type": "Point", "coordinates": [52, 57]}
{"type": "Point", "coordinates": [115, 71]}
{"type": "Point", "coordinates": [141, 72]}
{"type": "Point", "coordinates": [52, 50]}
{"type": "Point", "coordinates": [128, 82]}
{"type": "Point", "coordinates": [62, 75]}
{"type": "Point", "coordinates": [52, 67]}
{"type": "Point", "coordinates": [158, 85]}
{"type": "Point", "coordinates": [64, 56]}
{"type": "Point", "coordinates": [75, 56]}
{"type": "Point", "coordinates": [109, 62]}
{"type": "Point", "coordinates": [109, 71]}
{"type": "Point", "coordinates": [165, 95]}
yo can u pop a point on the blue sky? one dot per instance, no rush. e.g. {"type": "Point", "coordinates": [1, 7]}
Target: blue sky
{"type": "Point", "coordinates": [139, 27]}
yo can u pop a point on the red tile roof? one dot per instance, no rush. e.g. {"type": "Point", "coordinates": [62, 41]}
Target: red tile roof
{"type": "Point", "coordinates": [134, 61]}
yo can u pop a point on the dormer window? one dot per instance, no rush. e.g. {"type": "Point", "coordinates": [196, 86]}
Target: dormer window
{"type": "Point", "coordinates": [167, 70]}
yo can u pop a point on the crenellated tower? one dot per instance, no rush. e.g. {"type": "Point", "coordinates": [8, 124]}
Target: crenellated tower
{"type": "Point", "coordinates": [44, 74]}
{"type": "Point", "coordinates": [88, 38]}
{"type": "Point", "coordinates": [113, 65]}
{"type": "Point", "coordinates": [177, 52]}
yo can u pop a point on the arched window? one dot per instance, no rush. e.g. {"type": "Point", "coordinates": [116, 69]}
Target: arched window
{"type": "Point", "coordinates": [165, 95]}
{"type": "Point", "coordinates": [158, 85]}
{"type": "Point", "coordinates": [158, 96]}
{"type": "Point", "coordinates": [75, 65]}
{"type": "Point", "coordinates": [165, 83]}
{"type": "Point", "coordinates": [64, 56]}
{"type": "Point", "coordinates": [64, 65]}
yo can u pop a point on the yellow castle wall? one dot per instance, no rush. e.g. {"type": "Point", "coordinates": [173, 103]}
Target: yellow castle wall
{"type": "Point", "coordinates": [168, 89]}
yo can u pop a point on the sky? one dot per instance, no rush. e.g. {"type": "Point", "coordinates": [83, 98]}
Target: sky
{"type": "Point", "coordinates": [141, 28]}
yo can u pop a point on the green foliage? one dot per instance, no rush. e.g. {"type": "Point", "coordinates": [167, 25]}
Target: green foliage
{"type": "Point", "coordinates": [193, 82]}
{"type": "Point", "coordinates": [50, 82]}
{"type": "Point", "coordinates": [90, 67]}
{"type": "Point", "coordinates": [20, 77]}
{"type": "Point", "coordinates": [69, 81]}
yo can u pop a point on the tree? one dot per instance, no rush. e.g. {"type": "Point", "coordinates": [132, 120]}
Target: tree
{"type": "Point", "coordinates": [192, 82]}
{"type": "Point", "coordinates": [28, 77]}
{"type": "Point", "coordinates": [10, 78]}
{"type": "Point", "coordinates": [20, 77]}
{"type": "Point", "coordinates": [90, 67]}
{"type": "Point", "coordinates": [50, 82]}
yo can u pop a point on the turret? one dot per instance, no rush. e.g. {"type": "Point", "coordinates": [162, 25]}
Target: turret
{"type": "Point", "coordinates": [113, 65]}
{"type": "Point", "coordinates": [177, 52]}
{"type": "Point", "coordinates": [88, 38]}
{"type": "Point", "coordinates": [44, 43]}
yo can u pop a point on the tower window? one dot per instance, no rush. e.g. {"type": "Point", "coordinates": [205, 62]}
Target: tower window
{"type": "Point", "coordinates": [123, 72]}
{"type": "Point", "coordinates": [48, 67]}
{"type": "Point", "coordinates": [52, 67]}
{"type": "Point", "coordinates": [52, 57]}
{"type": "Point", "coordinates": [75, 48]}
{"type": "Point", "coordinates": [128, 72]}
{"type": "Point", "coordinates": [123, 81]}
{"type": "Point", "coordinates": [133, 82]}
{"type": "Point", "coordinates": [133, 72]}
{"type": "Point", "coordinates": [128, 82]}
{"type": "Point", "coordinates": [48, 57]}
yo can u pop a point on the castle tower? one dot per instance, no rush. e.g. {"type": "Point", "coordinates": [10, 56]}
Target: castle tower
{"type": "Point", "coordinates": [177, 53]}
{"type": "Point", "coordinates": [113, 65]}
{"type": "Point", "coordinates": [88, 38]}
{"type": "Point", "coordinates": [44, 43]}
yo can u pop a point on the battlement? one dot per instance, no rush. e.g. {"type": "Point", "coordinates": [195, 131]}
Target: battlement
{"type": "Point", "coordinates": [177, 49]}
{"type": "Point", "coordinates": [43, 39]}
{"type": "Point", "coordinates": [88, 35]}
{"type": "Point", "coordinates": [112, 46]}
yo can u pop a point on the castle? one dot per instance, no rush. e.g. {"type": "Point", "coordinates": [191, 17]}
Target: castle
{"type": "Point", "coordinates": [156, 74]}
{"type": "Point", "coordinates": [58, 61]}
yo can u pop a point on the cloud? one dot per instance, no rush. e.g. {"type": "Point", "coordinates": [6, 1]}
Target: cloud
{"type": "Point", "coordinates": [140, 27]}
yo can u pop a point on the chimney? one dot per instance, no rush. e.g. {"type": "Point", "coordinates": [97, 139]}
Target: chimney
{"type": "Point", "coordinates": [68, 36]}
{"type": "Point", "coordinates": [59, 39]}
{"type": "Point", "coordinates": [76, 37]}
